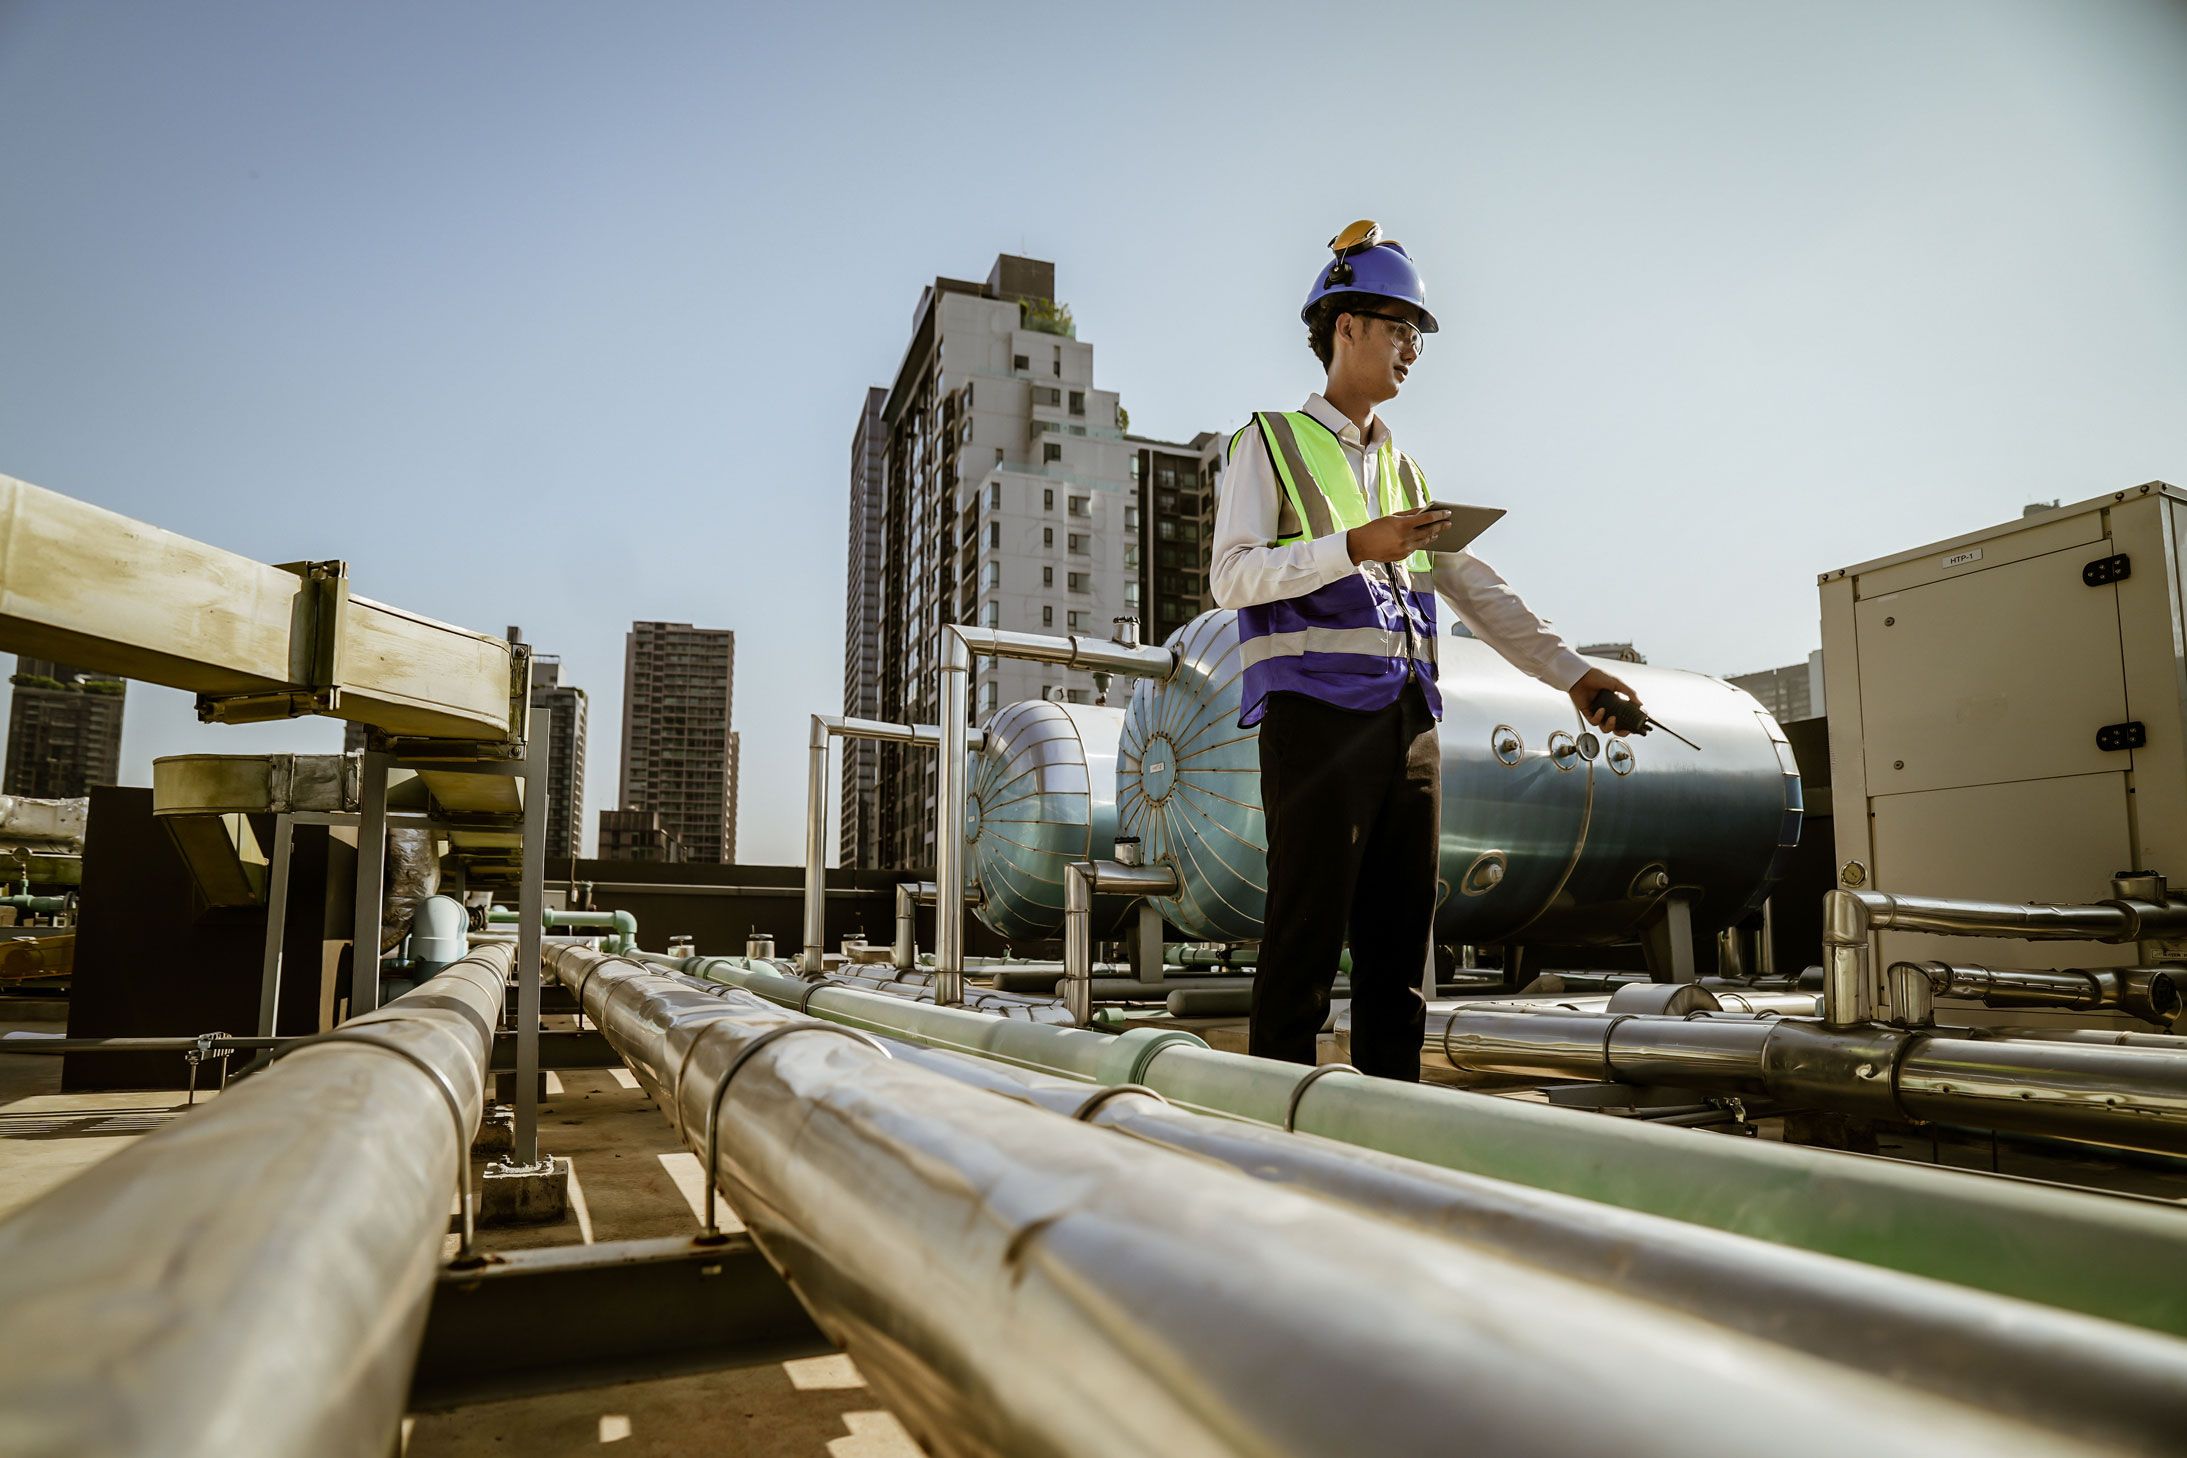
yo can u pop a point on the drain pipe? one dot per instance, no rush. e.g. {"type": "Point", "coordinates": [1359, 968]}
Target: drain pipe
{"type": "Point", "coordinates": [824, 728]}
{"type": "Point", "coordinates": [1853, 993]}
{"type": "Point", "coordinates": [1081, 881]}
{"type": "Point", "coordinates": [1124, 654]}
{"type": "Point", "coordinates": [254, 1277]}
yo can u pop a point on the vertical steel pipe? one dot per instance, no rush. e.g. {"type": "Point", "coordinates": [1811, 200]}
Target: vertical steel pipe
{"type": "Point", "coordinates": [816, 855]}
{"type": "Point", "coordinates": [253, 1279]}
{"type": "Point", "coordinates": [1081, 882]}
{"type": "Point", "coordinates": [949, 788]}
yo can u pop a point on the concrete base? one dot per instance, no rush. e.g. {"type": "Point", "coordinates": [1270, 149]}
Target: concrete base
{"type": "Point", "coordinates": [517, 1195]}
{"type": "Point", "coordinates": [496, 1135]}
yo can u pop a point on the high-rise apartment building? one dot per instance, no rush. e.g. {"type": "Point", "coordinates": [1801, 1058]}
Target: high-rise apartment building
{"type": "Point", "coordinates": [679, 756]}
{"type": "Point", "coordinates": [558, 714]}
{"type": "Point", "coordinates": [64, 730]}
{"type": "Point", "coordinates": [1006, 497]}
{"type": "Point", "coordinates": [1175, 485]}
{"type": "Point", "coordinates": [1791, 693]}
{"type": "Point", "coordinates": [859, 841]}
{"type": "Point", "coordinates": [637, 835]}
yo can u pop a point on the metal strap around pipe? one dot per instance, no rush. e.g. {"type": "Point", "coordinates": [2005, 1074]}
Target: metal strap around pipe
{"type": "Point", "coordinates": [467, 1251]}
{"type": "Point", "coordinates": [1092, 1103]}
{"type": "Point", "coordinates": [1298, 1091]}
{"type": "Point", "coordinates": [711, 1229]}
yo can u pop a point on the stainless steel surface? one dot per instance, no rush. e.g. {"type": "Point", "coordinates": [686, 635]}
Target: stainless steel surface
{"type": "Point", "coordinates": [1043, 795]}
{"type": "Point", "coordinates": [1545, 843]}
{"type": "Point", "coordinates": [1002, 1275]}
{"type": "Point", "coordinates": [1071, 651]}
{"type": "Point", "coordinates": [531, 906]}
{"type": "Point", "coordinates": [277, 920]}
{"type": "Point", "coordinates": [1082, 881]}
{"type": "Point", "coordinates": [2149, 993]}
{"type": "Point", "coordinates": [254, 1278]}
{"type": "Point", "coordinates": [955, 670]}
{"type": "Point", "coordinates": [2125, 1097]}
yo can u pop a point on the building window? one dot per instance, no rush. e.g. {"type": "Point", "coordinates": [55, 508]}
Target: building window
{"type": "Point", "coordinates": [1020, 362]}
{"type": "Point", "coordinates": [1047, 577]}
{"type": "Point", "coordinates": [1079, 623]}
{"type": "Point", "coordinates": [994, 534]}
{"type": "Point", "coordinates": [1047, 615]}
{"type": "Point", "coordinates": [1131, 594]}
{"type": "Point", "coordinates": [994, 495]}
{"type": "Point", "coordinates": [1047, 395]}
{"type": "Point", "coordinates": [1131, 517]}
{"type": "Point", "coordinates": [1166, 530]}
{"type": "Point", "coordinates": [1077, 543]}
{"type": "Point", "coordinates": [994, 615]}
{"type": "Point", "coordinates": [1078, 402]}
{"type": "Point", "coordinates": [998, 455]}
{"type": "Point", "coordinates": [968, 395]}
{"type": "Point", "coordinates": [1077, 582]}
{"type": "Point", "coordinates": [991, 575]}
{"type": "Point", "coordinates": [1077, 506]}
{"type": "Point", "coordinates": [1048, 537]}
{"type": "Point", "coordinates": [1047, 498]}
{"type": "Point", "coordinates": [1050, 452]}
{"type": "Point", "coordinates": [989, 691]}
{"type": "Point", "coordinates": [1059, 364]}
{"type": "Point", "coordinates": [1131, 555]}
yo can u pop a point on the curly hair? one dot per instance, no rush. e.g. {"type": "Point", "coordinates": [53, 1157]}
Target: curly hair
{"type": "Point", "coordinates": [1321, 328]}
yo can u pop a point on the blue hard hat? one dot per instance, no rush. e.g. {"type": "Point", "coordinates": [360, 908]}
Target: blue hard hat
{"type": "Point", "coordinates": [1368, 263]}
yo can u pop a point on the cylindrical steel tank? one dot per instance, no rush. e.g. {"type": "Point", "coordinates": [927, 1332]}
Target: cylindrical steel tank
{"type": "Point", "coordinates": [1043, 794]}
{"type": "Point", "coordinates": [1550, 833]}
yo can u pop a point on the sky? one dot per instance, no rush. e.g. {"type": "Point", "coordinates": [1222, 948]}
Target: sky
{"type": "Point", "coordinates": [561, 315]}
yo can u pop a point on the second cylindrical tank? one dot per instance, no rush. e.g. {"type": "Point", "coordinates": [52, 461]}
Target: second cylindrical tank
{"type": "Point", "coordinates": [1042, 795]}
{"type": "Point", "coordinates": [1551, 832]}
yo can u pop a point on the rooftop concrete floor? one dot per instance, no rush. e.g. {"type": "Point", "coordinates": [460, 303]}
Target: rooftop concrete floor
{"type": "Point", "coordinates": [629, 1178]}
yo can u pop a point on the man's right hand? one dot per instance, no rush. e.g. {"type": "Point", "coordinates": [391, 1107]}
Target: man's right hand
{"type": "Point", "coordinates": [1395, 537]}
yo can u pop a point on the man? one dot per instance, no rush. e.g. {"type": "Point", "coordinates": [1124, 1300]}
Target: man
{"type": "Point", "coordinates": [1320, 537]}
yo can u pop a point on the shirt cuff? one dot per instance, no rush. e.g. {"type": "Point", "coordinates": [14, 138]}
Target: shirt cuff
{"type": "Point", "coordinates": [1565, 669]}
{"type": "Point", "coordinates": [1332, 558]}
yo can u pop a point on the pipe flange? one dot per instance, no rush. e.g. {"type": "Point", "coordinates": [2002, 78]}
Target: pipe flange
{"type": "Point", "coordinates": [1093, 1101]}
{"type": "Point", "coordinates": [1313, 1076]}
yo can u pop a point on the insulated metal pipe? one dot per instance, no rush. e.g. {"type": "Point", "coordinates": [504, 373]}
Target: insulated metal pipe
{"type": "Point", "coordinates": [905, 954]}
{"type": "Point", "coordinates": [2088, 1378]}
{"type": "Point", "coordinates": [2065, 1248]}
{"type": "Point", "coordinates": [1854, 993]}
{"type": "Point", "coordinates": [1053, 1260]}
{"type": "Point", "coordinates": [959, 642]}
{"type": "Point", "coordinates": [253, 1279]}
{"type": "Point", "coordinates": [824, 728]}
{"type": "Point", "coordinates": [2149, 993]}
{"type": "Point", "coordinates": [1081, 882]}
{"type": "Point", "coordinates": [2130, 1098]}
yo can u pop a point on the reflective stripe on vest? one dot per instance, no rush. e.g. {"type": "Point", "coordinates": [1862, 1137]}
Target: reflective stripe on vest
{"type": "Point", "coordinates": [1354, 642]}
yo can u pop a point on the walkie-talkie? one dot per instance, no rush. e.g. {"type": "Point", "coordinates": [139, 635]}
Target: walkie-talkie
{"type": "Point", "coordinates": [1630, 718]}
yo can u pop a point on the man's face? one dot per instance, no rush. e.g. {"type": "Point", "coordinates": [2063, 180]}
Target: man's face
{"type": "Point", "coordinates": [1383, 346]}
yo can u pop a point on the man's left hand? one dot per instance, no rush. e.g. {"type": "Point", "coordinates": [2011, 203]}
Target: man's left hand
{"type": "Point", "coordinates": [1593, 682]}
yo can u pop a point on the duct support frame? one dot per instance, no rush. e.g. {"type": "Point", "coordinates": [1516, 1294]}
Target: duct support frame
{"type": "Point", "coordinates": [824, 728]}
{"type": "Point", "coordinates": [260, 1270]}
{"type": "Point", "coordinates": [960, 643]}
{"type": "Point", "coordinates": [1855, 991]}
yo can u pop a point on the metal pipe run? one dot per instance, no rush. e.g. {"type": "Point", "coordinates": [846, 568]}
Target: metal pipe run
{"type": "Point", "coordinates": [2065, 1248]}
{"type": "Point", "coordinates": [623, 924]}
{"type": "Point", "coordinates": [959, 642]}
{"type": "Point", "coordinates": [2149, 993]}
{"type": "Point", "coordinates": [2129, 1098]}
{"type": "Point", "coordinates": [253, 1279]}
{"type": "Point", "coordinates": [910, 896]}
{"type": "Point", "coordinates": [1008, 1281]}
{"type": "Point", "coordinates": [1853, 992]}
{"type": "Point", "coordinates": [2089, 1378]}
{"type": "Point", "coordinates": [1082, 881]}
{"type": "Point", "coordinates": [824, 728]}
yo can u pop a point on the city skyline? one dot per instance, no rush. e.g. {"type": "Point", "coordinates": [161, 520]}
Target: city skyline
{"type": "Point", "coordinates": [1731, 295]}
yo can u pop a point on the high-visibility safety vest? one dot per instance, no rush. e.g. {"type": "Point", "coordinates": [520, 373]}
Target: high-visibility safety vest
{"type": "Point", "coordinates": [1357, 641]}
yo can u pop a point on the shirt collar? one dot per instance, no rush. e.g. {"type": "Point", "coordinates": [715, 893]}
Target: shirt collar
{"type": "Point", "coordinates": [1340, 425]}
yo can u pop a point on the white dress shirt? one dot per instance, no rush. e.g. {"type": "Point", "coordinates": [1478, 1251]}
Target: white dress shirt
{"type": "Point", "coordinates": [1248, 569]}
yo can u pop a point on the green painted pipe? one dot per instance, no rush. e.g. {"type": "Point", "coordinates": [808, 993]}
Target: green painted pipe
{"type": "Point", "coordinates": [2102, 1255]}
{"type": "Point", "coordinates": [44, 905]}
{"type": "Point", "coordinates": [622, 923]}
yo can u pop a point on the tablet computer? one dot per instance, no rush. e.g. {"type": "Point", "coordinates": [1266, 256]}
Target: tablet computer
{"type": "Point", "coordinates": [1465, 524]}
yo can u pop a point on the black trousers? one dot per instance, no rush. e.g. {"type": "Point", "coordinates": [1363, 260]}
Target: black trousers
{"type": "Point", "coordinates": [1354, 803]}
